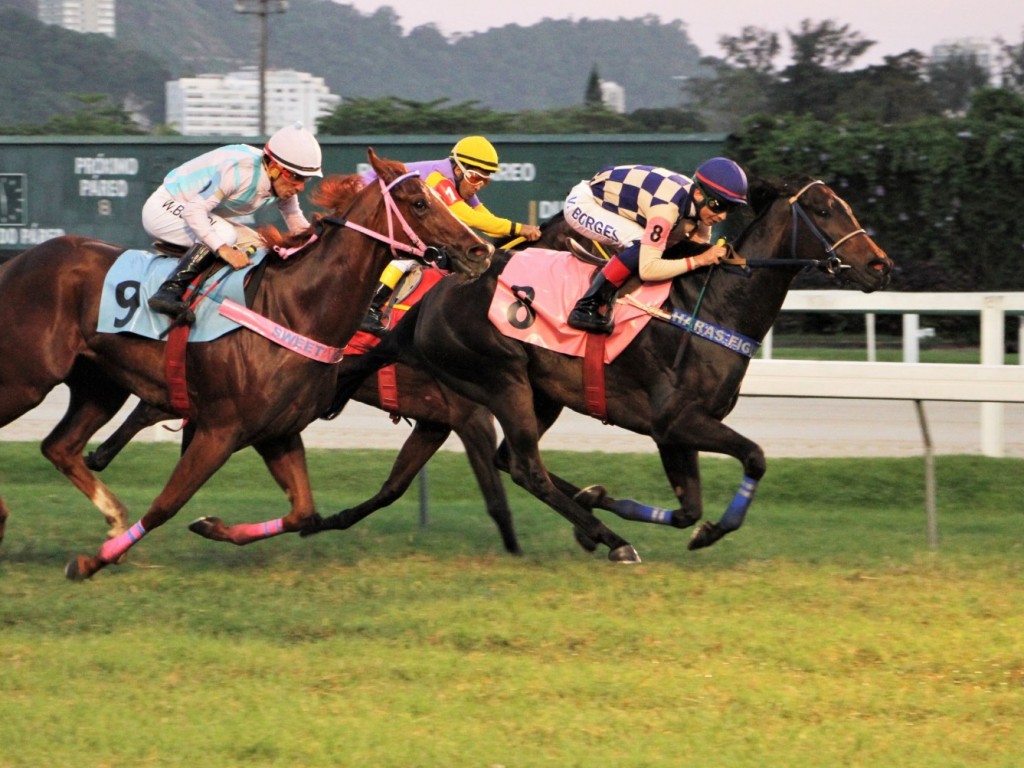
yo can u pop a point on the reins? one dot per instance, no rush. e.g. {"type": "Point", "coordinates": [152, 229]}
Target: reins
{"type": "Point", "coordinates": [832, 263]}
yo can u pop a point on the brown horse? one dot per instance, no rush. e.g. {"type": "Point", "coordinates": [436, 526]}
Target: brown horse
{"type": "Point", "coordinates": [437, 412]}
{"type": "Point", "coordinates": [436, 409]}
{"type": "Point", "coordinates": [244, 389]}
{"type": "Point", "coordinates": [670, 383]}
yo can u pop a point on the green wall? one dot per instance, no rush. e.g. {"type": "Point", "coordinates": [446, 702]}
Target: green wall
{"type": "Point", "coordinates": [96, 186]}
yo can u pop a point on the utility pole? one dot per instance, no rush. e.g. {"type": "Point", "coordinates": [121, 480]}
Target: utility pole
{"type": "Point", "coordinates": [262, 8]}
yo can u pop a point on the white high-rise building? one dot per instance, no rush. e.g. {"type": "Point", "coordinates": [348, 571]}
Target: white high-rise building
{"type": "Point", "coordinates": [613, 96]}
{"type": "Point", "coordinates": [80, 15]}
{"type": "Point", "coordinates": [228, 105]}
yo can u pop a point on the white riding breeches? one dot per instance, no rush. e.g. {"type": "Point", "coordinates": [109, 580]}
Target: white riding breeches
{"type": "Point", "coordinates": [161, 218]}
{"type": "Point", "coordinates": [584, 214]}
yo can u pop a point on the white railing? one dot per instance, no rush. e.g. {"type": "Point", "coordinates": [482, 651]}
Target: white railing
{"type": "Point", "coordinates": [990, 382]}
{"type": "Point", "coordinates": [992, 309]}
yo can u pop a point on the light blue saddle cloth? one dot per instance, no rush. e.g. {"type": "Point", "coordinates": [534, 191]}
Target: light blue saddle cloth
{"type": "Point", "coordinates": [137, 275]}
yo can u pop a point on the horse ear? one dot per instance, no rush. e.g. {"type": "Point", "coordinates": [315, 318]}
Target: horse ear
{"type": "Point", "coordinates": [762, 192]}
{"type": "Point", "coordinates": [374, 159]}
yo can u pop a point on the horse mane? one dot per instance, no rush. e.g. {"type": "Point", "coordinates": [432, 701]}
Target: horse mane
{"type": "Point", "coordinates": [762, 192]}
{"type": "Point", "coordinates": [334, 194]}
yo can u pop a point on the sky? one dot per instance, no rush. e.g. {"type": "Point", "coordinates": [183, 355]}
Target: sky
{"type": "Point", "coordinates": [895, 25]}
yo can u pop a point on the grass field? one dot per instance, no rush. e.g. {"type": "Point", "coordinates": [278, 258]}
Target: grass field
{"type": "Point", "coordinates": [823, 633]}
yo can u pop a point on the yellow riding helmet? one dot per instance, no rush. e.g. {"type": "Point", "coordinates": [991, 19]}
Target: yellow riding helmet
{"type": "Point", "coordinates": [476, 152]}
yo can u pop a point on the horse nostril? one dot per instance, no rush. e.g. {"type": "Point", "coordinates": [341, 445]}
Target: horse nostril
{"type": "Point", "coordinates": [482, 251]}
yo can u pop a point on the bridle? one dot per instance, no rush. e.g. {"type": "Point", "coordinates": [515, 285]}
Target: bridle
{"type": "Point", "coordinates": [832, 263]}
{"type": "Point", "coordinates": [428, 253]}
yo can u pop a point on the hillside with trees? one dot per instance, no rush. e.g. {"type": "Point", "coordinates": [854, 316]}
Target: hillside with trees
{"type": "Point", "coordinates": [929, 152]}
{"type": "Point", "coordinates": [359, 55]}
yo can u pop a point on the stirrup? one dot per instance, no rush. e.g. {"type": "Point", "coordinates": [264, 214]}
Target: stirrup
{"type": "Point", "coordinates": [373, 322]}
{"type": "Point", "coordinates": [581, 253]}
{"type": "Point", "coordinates": [591, 322]}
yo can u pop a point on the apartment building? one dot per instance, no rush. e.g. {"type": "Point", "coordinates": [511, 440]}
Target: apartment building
{"type": "Point", "coordinates": [228, 105]}
{"type": "Point", "coordinates": [80, 15]}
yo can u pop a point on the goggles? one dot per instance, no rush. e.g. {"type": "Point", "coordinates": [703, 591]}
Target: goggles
{"type": "Point", "coordinates": [471, 175]}
{"type": "Point", "coordinates": [292, 176]}
{"type": "Point", "coordinates": [718, 206]}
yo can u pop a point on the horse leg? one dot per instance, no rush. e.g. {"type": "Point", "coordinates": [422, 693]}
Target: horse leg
{"type": "Point", "coordinates": [479, 437]}
{"type": "Point", "coordinates": [4, 514]}
{"type": "Point", "coordinates": [92, 403]}
{"type": "Point", "coordinates": [683, 471]}
{"type": "Point", "coordinates": [522, 435]}
{"type": "Point", "coordinates": [206, 453]}
{"type": "Point", "coordinates": [144, 415]}
{"type": "Point", "coordinates": [285, 457]}
{"type": "Point", "coordinates": [423, 442]}
{"type": "Point", "coordinates": [700, 431]}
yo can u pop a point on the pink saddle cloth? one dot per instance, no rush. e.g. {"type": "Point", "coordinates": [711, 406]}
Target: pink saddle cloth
{"type": "Point", "coordinates": [538, 289]}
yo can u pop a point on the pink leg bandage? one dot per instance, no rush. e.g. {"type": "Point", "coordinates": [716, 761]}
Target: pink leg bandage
{"type": "Point", "coordinates": [246, 532]}
{"type": "Point", "coordinates": [113, 548]}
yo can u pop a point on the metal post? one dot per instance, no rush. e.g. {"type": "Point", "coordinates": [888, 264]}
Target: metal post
{"type": "Point", "coordinates": [932, 522]}
{"type": "Point", "coordinates": [262, 8]}
{"type": "Point", "coordinates": [993, 324]}
{"type": "Point", "coordinates": [424, 499]}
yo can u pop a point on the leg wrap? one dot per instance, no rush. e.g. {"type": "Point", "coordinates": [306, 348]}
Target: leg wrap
{"type": "Point", "coordinates": [634, 510]}
{"type": "Point", "coordinates": [113, 548]}
{"type": "Point", "coordinates": [737, 509]}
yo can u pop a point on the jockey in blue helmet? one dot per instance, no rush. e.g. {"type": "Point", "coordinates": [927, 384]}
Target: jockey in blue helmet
{"type": "Point", "coordinates": [642, 210]}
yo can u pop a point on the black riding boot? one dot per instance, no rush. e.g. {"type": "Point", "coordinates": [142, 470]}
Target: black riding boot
{"type": "Point", "coordinates": [374, 322]}
{"type": "Point", "coordinates": [167, 300]}
{"type": "Point", "coordinates": [593, 312]}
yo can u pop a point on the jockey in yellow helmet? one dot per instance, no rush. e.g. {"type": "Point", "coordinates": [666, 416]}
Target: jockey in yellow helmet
{"type": "Point", "coordinates": [457, 179]}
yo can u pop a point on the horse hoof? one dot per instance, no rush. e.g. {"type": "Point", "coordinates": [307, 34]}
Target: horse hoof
{"type": "Point", "coordinates": [205, 526]}
{"type": "Point", "coordinates": [590, 497]}
{"type": "Point", "coordinates": [587, 543]}
{"type": "Point", "coordinates": [705, 536]}
{"type": "Point", "coordinates": [94, 463]}
{"type": "Point", "coordinates": [79, 569]}
{"type": "Point", "coordinates": [314, 525]}
{"type": "Point", "coordinates": [624, 554]}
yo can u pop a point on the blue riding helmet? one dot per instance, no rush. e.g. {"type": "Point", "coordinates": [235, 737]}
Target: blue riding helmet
{"type": "Point", "coordinates": [722, 179]}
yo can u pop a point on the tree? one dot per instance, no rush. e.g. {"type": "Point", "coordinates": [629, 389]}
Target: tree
{"type": "Point", "coordinates": [813, 82]}
{"type": "Point", "coordinates": [97, 117]}
{"type": "Point", "coordinates": [954, 77]}
{"type": "Point", "coordinates": [753, 50]}
{"type": "Point", "coordinates": [405, 116]}
{"type": "Point", "coordinates": [894, 92]}
{"type": "Point", "coordinates": [1010, 61]}
{"type": "Point", "coordinates": [593, 97]}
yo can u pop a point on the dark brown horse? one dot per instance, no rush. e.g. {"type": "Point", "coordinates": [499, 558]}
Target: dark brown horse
{"type": "Point", "coordinates": [668, 384]}
{"type": "Point", "coordinates": [244, 389]}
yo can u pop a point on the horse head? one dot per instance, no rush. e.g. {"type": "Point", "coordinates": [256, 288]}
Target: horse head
{"type": "Point", "coordinates": [430, 219]}
{"type": "Point", "coordinates": [822, 229]}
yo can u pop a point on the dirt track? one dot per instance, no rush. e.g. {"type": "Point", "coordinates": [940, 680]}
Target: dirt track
{"type": "Point", "coordinates": [782, 426]}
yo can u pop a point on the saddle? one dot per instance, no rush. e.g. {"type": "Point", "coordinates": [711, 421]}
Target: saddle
{"type": "Point", "coordinates": [165, 248]}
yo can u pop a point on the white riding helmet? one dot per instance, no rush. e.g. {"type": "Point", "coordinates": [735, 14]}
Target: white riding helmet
{"type": "Point", "coordinates": [297, 150]}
